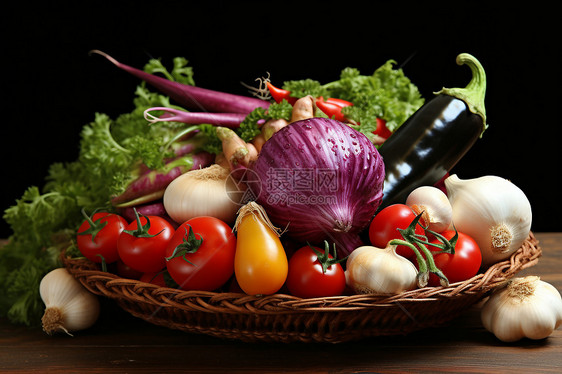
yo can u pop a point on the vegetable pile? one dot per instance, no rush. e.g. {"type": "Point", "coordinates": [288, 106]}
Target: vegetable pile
{"type": "Point", "coordinates": [309, 189]}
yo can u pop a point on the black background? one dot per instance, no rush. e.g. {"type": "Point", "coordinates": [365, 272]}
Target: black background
{"type": "Point", "coordinates": [52, 86]}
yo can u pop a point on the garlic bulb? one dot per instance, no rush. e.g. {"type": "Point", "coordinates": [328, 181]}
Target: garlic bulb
{"type": "Point", "coordinates": [69, 305]}
{"type": "Point", "coordinates": [526, 307]}
{"type": "Point", "coordinates": [437, 209]}
{"type": "Point", "coordinates": [491, 210]}
{"type": "Point", "coordinates": [204, 192]}
{"type": "Point", "coordinates": [379, 271]}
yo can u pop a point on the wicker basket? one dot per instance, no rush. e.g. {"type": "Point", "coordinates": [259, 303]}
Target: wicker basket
{"type": "Point", "coordinates": [285, 318]}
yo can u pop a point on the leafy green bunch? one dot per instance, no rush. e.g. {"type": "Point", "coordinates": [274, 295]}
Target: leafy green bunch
{"type": "Point", "coordinates": [44, 220]}
{"type": "Point", "coordinates": [386, 94]}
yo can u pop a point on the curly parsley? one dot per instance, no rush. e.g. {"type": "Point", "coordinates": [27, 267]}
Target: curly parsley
{"type": "Point", "coordinates": [387, 94]}
{"type": "Point", "coordinates": [249, 128]}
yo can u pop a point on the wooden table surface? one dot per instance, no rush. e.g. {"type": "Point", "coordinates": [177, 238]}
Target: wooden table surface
{"type": "Point", "coordinates": [120, 343]}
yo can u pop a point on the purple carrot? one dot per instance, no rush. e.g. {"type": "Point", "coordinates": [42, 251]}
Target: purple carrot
{"type": "Point", "coordinates": [192, 97]}
{"type": "Point", "coordinates": [151, 185]}
{"type": "Point", "coordinates": [230, 120]}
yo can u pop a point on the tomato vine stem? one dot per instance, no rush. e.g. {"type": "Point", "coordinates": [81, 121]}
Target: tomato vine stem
{"type": "Point", "coordinates": [418, 244]}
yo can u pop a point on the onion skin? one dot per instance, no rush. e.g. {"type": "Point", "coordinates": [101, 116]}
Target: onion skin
{"type": "Point", "coordinates": [321, 179]}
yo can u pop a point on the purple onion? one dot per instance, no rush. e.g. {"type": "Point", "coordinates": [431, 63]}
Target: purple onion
{"type": "Point", "coordinates": [321, 179]}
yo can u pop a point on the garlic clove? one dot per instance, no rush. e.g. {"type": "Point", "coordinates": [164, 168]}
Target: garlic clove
{"type": "Point", "coordinates": [493, 211]}
{"type": "Point", "coordinates": [503, 324]}
{"type": "Point", "coordinates": [544, 320]}
{"type": "Point", "coordinates": [82, 312]}
{"type": "Point", "coordinates": [435, 204]}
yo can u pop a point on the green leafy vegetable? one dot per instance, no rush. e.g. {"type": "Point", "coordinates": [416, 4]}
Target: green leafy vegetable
{"type": "Point", "coordinates": [282, 110]}
{"type": "Point", "coordinates": [387, 94]}
{"type": "Point", "coordinates": [181, 72]}
{"type": "Point", "coordinates": [212, 143]}
{"type": "Point", "coordinates": [302, 88]}
{"type": "Point", "coordinates": [44, 221]}
{"type": "Point", "coordinates": [249, 129]}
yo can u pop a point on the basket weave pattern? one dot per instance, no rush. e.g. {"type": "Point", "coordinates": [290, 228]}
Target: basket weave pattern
{"type": "Point", "coordinates": [285, 318]}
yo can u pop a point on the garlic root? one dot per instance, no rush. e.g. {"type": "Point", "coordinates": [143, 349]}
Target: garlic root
{"type": "Point", "coordinates": [53, 321]}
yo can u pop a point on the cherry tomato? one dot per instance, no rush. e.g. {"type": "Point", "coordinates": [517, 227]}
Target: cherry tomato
{"type": "Point", "coordinates": [461, 265]}
{"type": "Point", "coordinates": [314, 272]}
{"type": "Point", "coordinates": [383, 228]}
{"type": "Point", "coordinates": [154, 278]}
{"type": "Point", "coordinates": [142, 244]}
{"type": "Point", "coordinates": [260, 262]}
{"type": "Point", "coordinates": [200, 255]}
{"type": "Point", "coordinates": [97, 237]}
{"type": "Point", "coordinates": [125, 271]}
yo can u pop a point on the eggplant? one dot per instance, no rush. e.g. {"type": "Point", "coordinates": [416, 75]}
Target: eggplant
{"type": "Point", "coordinates": [431, 141]}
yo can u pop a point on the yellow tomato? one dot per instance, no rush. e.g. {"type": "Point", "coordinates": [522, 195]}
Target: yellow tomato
{"type": "Point", "coordinates": [260, 262]}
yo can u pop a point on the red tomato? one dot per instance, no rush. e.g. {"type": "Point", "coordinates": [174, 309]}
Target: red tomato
{"type": "Point", "coordinates": [383, 228]}
{"type": "Point", "coordinates": [97, 237]}
{"type": "Point", "coordinates": [125, 271]}
{"type": "Point", "coordinates": [143, 249]}
{"type": "Point", "coordinates": [154, 278]}
{"type": "Point", "coordinates": [307, 278]}
{"type": "Point", "coordinates": [461, 265]}
{"type": "Point", "coordinates": [204, 259]}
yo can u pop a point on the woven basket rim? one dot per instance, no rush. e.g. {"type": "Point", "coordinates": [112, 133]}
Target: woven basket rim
{"type": "Point", "coordinates": [115, 287]}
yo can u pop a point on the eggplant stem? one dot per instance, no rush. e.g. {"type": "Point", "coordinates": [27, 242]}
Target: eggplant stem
{"type": "Point", "coordinates": [473, 94]}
